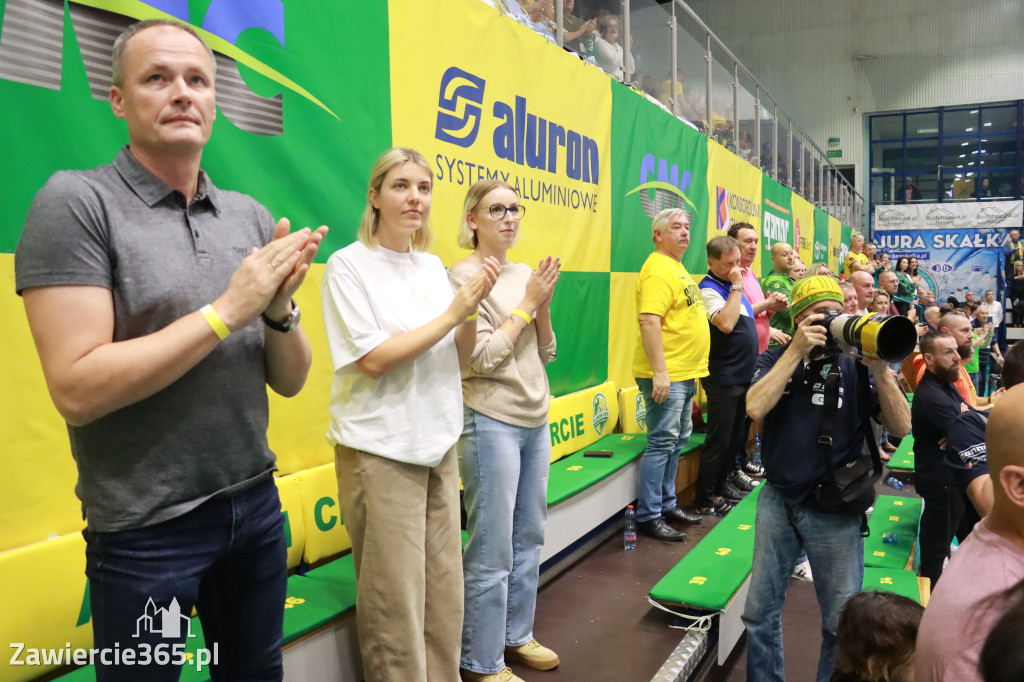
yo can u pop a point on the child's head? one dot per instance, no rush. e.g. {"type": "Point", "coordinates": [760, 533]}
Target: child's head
{"type": "Point", "coordinates": [876, 636]}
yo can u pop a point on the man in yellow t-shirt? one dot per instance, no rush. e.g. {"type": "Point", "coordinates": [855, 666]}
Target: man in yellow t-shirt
{"type": "Point", "coordinates": [855, 258]}
{"type": "Point", "coordinates": [671, 354]}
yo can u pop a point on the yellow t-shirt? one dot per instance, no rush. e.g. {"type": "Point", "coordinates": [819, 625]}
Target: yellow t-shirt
{"type": "Point", "coordinates": [665, 289]}
{"type": "Point", "coordinates": [852, 258]}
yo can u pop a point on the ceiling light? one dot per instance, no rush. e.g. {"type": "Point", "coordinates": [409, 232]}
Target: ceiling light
{"type": "Point", "coordinates": [971, 129]}
{"type": "Point", "coordinates": [974, 111]}
{"type": "Point", "coordinates": [988, 124]}
{"type": "Point", "coordinates": [962, 155]}
{"type": "Point", "coordinates": [964, 144]}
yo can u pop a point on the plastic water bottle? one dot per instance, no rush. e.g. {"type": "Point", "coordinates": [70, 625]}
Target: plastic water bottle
{"type": "Point", "coordinates": [894, 482]}
{"type": "Point", "coordinates": [629, 532]}
{"type": "Point", "coordinates": [889, 538]}
{"type": "Point", "coordinates": [757, 449]}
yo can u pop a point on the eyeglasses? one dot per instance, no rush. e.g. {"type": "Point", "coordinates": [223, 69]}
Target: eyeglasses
{"type": "Point", "coordinates": [497, 211]}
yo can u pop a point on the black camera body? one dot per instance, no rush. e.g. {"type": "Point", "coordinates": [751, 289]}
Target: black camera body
{"type": "Point", "coordinates": [889, 337]}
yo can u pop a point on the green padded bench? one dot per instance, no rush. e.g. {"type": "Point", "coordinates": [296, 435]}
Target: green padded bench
{"type": "Point", "coordinates": [575, 473]}
{"type": "Point", "coordinates": [899, 581]}
{"type": "Point", "coordinates": [898, 515]}
{"type": "Point", "coordinates": [712, 572]}
{"type": "Point", "coordinates": [903, 458]}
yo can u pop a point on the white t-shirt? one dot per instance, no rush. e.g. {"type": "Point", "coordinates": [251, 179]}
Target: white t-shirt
{"type": "Point", "coordinates": [995, 312]}
{"type": "Point", "coordinates": [413, 413]}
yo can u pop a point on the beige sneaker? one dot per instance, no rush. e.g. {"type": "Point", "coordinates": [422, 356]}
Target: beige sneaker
{"type": "Point", "coordinates": [533, 655]}
{"type": "Point", "coordinates": [505, 675]}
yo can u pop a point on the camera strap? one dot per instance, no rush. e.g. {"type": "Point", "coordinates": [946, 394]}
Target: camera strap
{"type": "Point", "coordinates": [825, 441]}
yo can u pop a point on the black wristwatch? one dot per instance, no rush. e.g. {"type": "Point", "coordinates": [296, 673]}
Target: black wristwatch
{"type": "Point", "coordinates": [289, 324]}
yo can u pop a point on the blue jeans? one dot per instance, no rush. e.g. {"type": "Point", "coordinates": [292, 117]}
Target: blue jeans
{"type": "Point", "coordinates": [226, 557]}
{"type": "Point", "coordinates": [504, 472]}
{"type": "Point", "coordinates": [669, 425]}
{"type": "Point", "coordinates": [835, 550]}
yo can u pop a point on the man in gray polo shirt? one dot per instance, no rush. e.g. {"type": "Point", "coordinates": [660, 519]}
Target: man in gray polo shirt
{"type": "Point", "coordinates": [144, 287]}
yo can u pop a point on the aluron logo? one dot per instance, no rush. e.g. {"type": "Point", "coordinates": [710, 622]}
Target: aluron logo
{"type": "Point", "coordinates": [667, 191]}
{"type": "Point", "coordinates": [459, 105]}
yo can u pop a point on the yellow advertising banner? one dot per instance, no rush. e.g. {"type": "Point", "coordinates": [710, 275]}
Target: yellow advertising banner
{"type": "Point", "coordinates": [734, 192]}
{"type": "Point", "coordinates": [499, 101]}
{"type": "Point", "coordinates": [835, 242]}
{"type": "Point", "coordinates": [803, 228]}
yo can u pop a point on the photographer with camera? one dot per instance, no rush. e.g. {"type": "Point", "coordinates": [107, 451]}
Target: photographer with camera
{"type": "Point", "coordinates": [808, 397]}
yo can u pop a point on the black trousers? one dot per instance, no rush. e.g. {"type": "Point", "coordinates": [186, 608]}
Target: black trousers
{"type": "Point", "coordinates": [940, 522]}
{"type": "Point", "coordinates": [727, 408]}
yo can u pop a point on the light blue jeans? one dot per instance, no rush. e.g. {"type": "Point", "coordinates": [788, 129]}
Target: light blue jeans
{"type": "Point", "coordinates": [669, 425]}
{"type": "Point", "coordinates": [504, 472]}
{"type": "Point", "coordinates": [835, 549]}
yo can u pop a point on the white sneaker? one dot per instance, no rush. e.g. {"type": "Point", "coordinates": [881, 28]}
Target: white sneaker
{"type": "Point", "coordinates": [802, 571]}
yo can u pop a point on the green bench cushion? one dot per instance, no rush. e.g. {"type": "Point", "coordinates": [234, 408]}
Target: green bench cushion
{"type": "Point", "coordinates": [576, 473]}
{"type": "Point", "coordinates": [899, 581]}
{"type": "Point", "coordinates": [711, 573]}
{"type": "Point", "coordinates": [903, 458]}
{"type": "Point", "coordinates": [318, 597]}
{"type": "Point", "coordinates": [899, 515]}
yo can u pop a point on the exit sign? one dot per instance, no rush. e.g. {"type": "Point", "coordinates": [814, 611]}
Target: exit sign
{"type": "Point", "coordinates": [834, 153]}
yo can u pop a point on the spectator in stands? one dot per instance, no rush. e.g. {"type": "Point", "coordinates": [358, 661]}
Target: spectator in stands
{"type": "Point", "coordinates": [865, 288]}
{"type": "Point", "coordinates": [731, 364]}
{"type": "Point", "coordinates": [905, 289]}
{"type": "Point", "coordinates": [672, 353]}
{"type": "Point", "coordinates": [819, 268]}
{"type": "Point", "coordinates": [890, 284]}
{"type": "Point", "coordinates": [398, 336]}
{"type": "Point", "coordinates": [983, 344]}
{"type": "Point", "coordinates": [669, 95]}
{"type": "Point", "coordinates": [1017, 293]}
{"type": "Point", "coordinates": [971, 598]}
{"type": "Point", "coordinates": [788, 394]}
{"type": "Point", "coordinates": [849, 298]}
{"type": "Point", "coordinates": [531, 15]}
{"type": "Point", "coordinates": [871, 253]}
{"type": "Point", "coordinates": [877, 635]}
{"type": "Point", "coordinates": [779, 282]}
{"type": "Point", "coordinates": [910, 192]}
{"type": "Point", "coordinates": [931, 318]}
{"type": "Point", "coordinates": [610, 55]}
{"type": "Point", "coordinates": [856, 260]}
{"type": "Point", "coordinates": [995, 316]}
{"type": "Point", "coordinates": [505, 449]}
{"type": "Point", "coordinates": [985, 190]}
{"type": "Point", "coordinates": [936, 404]}
{"type": "Point", "coordinates": [576, 29]}
{"type": "Point", "coordinates": [912, 271]}
{"type": "Point", "coordinates": [165, 397]}
{"type": "Point", "coordinates": [745, 146]}
{"type": "Point", "coordinates": [799, 270]}
{"type": "Point", "coordinates": [763, 306]}
{"type": "Point", "coordinates": [1013, 253]}
{"type": "Point", "coordinates": [880, 303]}
{"type": "Point", "coordinates": [955, 322]}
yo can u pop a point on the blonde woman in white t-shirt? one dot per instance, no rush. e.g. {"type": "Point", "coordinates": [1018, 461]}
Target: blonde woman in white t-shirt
{"type": "Point", "coordinates": [505, 449]}
{"type": "Point", "coordinates": [397, 336]}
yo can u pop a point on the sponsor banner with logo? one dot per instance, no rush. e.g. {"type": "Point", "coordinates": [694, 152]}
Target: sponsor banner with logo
{"type": "Point", "coordinates": [657, 164]}
{"type": "Point", "coordinates": [297, 125]}
{"type": "Point", "coordinates": [776, 219]}
{"type": "Point", "coordinates": [820, 246]}
{"type": "Point", "coordinates": [950, 261]}
{"type": "Point", "coordinates": [734, 191]}
{"type": "Point", "coordinates": [837, 248]}
{"type": "Point", "coordinates": [966, 214]}
{"type": "Point", "coordinates": [501, 102]}
{"type": "Point", "coordinates": [803, 228]}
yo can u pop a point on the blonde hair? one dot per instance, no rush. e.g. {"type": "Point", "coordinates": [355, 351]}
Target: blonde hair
{"type": "Point", "coordinates": [467, 235]}
{"type": "Point", "coordinates": [396, 156]}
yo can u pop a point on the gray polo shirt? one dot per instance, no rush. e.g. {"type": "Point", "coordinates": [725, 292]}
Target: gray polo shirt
{"type": "Point", "coordinates": [121, 228]}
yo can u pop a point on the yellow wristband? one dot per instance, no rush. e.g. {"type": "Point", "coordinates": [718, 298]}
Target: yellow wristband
{"type": "Point", "coordinates": [476, 314]}
{"type": "Point", "coordinates": [526, 316]}
{"type": "Point", "coordinates": [215, 322]}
